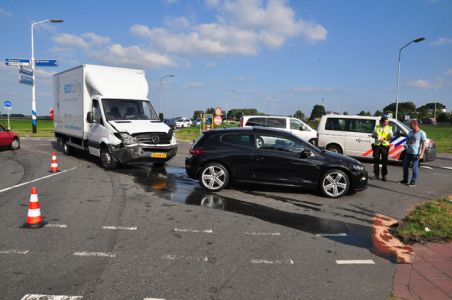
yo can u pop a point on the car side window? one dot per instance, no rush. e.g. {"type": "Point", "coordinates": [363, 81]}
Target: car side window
{"type": "Point", "coordinates": [1, 129]}
{"type": "Point", "coordinates": [245, 140]}
{"type": "Point", "coordinates": [276, 122]}
{"type": "Point", "coordinates": [256, 122]}
{"type": "Point", "coordinates": [335, 124]}
{"type": "Point", "coordinates": [362, 125]}
{"type": "Point", "coordinates": [296, 124]}
{"type": "Point", "coordinates": [278, 143]}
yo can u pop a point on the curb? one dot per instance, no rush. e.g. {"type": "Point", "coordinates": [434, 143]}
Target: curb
{"type": "Point", "coordinates": [385, 243]}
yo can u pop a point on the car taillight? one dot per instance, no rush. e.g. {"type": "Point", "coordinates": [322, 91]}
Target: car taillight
{"type": "Point", "coordinates": [197, 151]}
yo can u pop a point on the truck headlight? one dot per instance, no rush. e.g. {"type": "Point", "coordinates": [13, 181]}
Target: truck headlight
{"type": "Point", "coordinates": [127, 139]}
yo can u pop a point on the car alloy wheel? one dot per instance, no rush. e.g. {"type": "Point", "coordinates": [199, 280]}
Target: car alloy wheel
{"type": "Point", "coordinates": [15, 144]}
{"type": "Point", "coordinates": [335, 183]}
{"type": "Point", "coordinates": [214, 177]}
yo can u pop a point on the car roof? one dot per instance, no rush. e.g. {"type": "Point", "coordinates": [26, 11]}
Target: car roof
{"type": "Point", "coordinates": [245, 129]}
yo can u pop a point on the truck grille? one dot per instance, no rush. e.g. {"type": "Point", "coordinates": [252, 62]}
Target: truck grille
{"type": "Point", "coordinates": [154, 138]}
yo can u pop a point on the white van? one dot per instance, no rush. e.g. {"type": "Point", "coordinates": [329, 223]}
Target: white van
{"type": "Point", "coordinates": [292, 125]}
{"type": "Point", "coordinates": [352, 135]}
{"type": "Point", "coordinates": [106, 112]}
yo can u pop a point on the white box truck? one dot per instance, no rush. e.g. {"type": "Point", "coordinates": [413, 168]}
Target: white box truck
{"type": "Point", "coordinates": [106, 112]}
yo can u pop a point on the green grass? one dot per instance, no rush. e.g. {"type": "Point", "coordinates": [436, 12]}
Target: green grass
{"type": "Point", "coordinates": [441, 135]}
{"type": "Point", "coordinates": [429, 221]}
{"type": "Point", "coordinates": [23, 127]}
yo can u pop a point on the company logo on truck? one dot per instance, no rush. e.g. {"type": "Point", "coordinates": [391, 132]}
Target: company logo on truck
{"type": "Point", "coordinates": [72, 88]}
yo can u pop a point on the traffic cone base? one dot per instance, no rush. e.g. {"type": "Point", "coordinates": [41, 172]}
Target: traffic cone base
{"type": "Point", "coordinates": [34, 218]}
{"type": "Point", "coordinates": [54, 164]}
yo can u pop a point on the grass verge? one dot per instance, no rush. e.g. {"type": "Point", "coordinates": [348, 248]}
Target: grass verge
{"type": "Point", "coordinates": [23, 127]}
{"type": "Point", "coordinates": [440, 134]}
{"type": "Point", "coordinates": [427, 222]}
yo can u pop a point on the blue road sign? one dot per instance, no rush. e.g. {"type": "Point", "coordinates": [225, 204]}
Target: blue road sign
{"type": "Point", "coordinates": [25, 80]}
{"type": "Point", "coordinates": [46, 63]}
{"type": "Point", "coordinates": [26, 71]}
{"type": "Point", "coordinates": [17, 62]}
{"type": "Point", "coordinates": [7, 103]}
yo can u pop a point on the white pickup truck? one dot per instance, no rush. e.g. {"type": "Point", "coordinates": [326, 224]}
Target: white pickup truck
{"type": "Point", "coordinates": [106, 112]}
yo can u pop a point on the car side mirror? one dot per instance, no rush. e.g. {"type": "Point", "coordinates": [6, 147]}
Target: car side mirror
{"type": "Point", "coordinates": [89, 117]}
{"type": "Point", "coordinates": [305, 153]}
{"type": "Point", "coordinates": [161, 116]}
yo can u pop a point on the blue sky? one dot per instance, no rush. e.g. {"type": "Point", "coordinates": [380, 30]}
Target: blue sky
{"type": "Point", "coordinates": [276, 56]}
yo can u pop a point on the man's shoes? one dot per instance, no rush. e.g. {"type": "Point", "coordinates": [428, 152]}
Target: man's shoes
{"type": "Point", "coordinates": [383, 178]}
{"type": "Point", "coordinates": [375, 177]}
{"type": "Point", "coordinates": [403, 182]}
{"type": "Point", "coordinates": [412, 184]}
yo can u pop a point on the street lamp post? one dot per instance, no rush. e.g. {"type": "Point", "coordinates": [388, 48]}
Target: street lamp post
{"type": "Point", "coordinates": [33, 86]}
{"type": "Point", "coordinates": [398, 72]}
{"type": "Point", "coordinates": [161, 79]}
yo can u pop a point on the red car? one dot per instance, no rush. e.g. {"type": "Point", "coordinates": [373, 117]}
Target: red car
{"type": "Point", "coordinates": [9, 139]}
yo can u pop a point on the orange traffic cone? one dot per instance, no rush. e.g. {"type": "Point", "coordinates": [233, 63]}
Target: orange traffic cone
{"type": "Point", "coordinates": [54, 164]}
{"type": "Point", "coordinates": [34, 218]}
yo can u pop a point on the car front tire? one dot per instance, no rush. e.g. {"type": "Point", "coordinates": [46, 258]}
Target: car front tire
{"type": "Point", "coordinates": [15, 144]}
{"type": "Point", "coordinates": [334, 183]}
{"type": "Point", "coordinates": [214, 177]}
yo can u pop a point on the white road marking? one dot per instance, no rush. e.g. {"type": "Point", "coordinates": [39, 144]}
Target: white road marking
{"type": "Point", "coordinates": [271, 262]}
{"type": "Point", "coordinates": [53, 225]}
{"type": "Point", "coordinates": [331, 234]}
{"type": "Point", "coordinates": [153, 299]}
{"type": "Point", "coordinates": [99, 254]}
{"type": "Point", "coordinates": [37, 179]}
{"type": "Point", "coordinates": [447, 168]}
{"type": "Point", "coordinates": [119, 228]}
{"type": "Point", "coordinates": [50, 297]}
{"type": "Point", "coordinates": [193, 230]}
{"type": "Point", "coordinates": [427, 167]}
{"type": "Point", "coordinates": [183, 257]}
{"type": "Point", "coordinates": [355, 262]}
{"type": "Point", "coordinates": [263, 233]}
{"type": "Point", "coordinates": [13, 251]}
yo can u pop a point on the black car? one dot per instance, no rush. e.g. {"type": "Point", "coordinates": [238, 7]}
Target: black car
{"type": "Point", "coordinates": [273, 157]}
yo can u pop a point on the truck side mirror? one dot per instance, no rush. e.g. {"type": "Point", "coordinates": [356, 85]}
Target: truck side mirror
{"type": "Point", "coordinates": [161, 117]}
{"type": "Point", "coordinates": [89, 117]}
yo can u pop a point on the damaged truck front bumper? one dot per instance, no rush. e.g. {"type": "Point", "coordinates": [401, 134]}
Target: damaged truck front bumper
{"type": "Point", "coordinates": [142, 153]}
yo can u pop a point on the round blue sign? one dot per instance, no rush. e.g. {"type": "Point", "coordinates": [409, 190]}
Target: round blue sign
{"type": "Point", "coordinates": [7, 103]}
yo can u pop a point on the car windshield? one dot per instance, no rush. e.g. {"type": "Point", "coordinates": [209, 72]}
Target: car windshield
{"type": "Point", "coordinates": [123, 109]}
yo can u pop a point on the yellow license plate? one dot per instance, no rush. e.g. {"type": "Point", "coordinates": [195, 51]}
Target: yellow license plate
{"type": "Point", "coordinates": [158, 155]}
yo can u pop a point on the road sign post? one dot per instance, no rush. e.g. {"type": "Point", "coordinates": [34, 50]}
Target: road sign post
{"type": "Point", "coordinates": [7, 106]}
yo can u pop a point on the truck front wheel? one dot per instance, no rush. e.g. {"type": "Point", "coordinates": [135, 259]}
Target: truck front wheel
{"type": "Point", "coordinates": [106, 159]}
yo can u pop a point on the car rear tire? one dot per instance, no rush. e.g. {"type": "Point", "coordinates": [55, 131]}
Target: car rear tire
{"type": "Point", "coordinates": [107, 160]}
{"type": "Point", "coordinates": [334, 148]}
{"type": "Point", "coordinates": [67, 150]}
{"type": "Point", "coordinates": [214, 177]}
{"type": "Point", "coordinates": [15, 144]}
{"type": "Point", "coordinates": [334, 183]}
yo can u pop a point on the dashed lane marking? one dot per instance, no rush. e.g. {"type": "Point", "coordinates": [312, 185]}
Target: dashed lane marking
{"type": "Point", "coordinates": [13, 251]}
{"type": "Point", "coordinates": [183, 257]}
{"type": "Point", "coordinates": [193, 230]}
{"type": "Point", "coordinates": [98, 254]}
{"type": "Point", "coordinates": [331, 234]}
{"type": "Point", "coordinates": [119, 228]}
{"type": "Point", "coordinates": [427, 167]}
{"type": "Point", "coordinates": [447, 168]}
{"type": "Point", "coordinates": [34, 180]}
{"type": "Point", "coordinates": [355, 262]}
{"type": "Point", "coordinates": [53, 225]}
{"type": "Point", "coordinates": [153, 299]}
{"type": "Point", "coordinates": [263, 233]}
{"type": "Point", "coordinates": [271, 262]}
{"type": "Point", "coordinates": [50, 297]}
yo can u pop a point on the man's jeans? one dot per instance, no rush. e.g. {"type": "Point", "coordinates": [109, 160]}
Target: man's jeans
{"type": "Point", "coordinates": [414, 158]}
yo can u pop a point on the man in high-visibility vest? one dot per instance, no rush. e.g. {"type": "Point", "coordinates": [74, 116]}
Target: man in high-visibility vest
{"type": "Point", "coordinates": [382, 135]}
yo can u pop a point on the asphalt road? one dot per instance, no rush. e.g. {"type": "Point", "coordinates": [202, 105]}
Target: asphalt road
{"type": "Point", "coordinates": [137, 233]}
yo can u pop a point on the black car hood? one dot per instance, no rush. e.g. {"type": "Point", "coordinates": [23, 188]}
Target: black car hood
{"type": "Point", "coordinates": [334, 157]}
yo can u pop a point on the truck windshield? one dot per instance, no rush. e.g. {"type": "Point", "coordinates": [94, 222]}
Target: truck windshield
{"type": "Point", "coordinates": [123, 109]}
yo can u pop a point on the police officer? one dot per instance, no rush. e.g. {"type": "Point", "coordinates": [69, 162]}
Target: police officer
{"type": "Point", "coordinates": [382, 135]}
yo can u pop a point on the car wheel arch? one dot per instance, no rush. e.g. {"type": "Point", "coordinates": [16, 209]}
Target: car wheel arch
{"type": "Point", "coordinates": [335, 145]}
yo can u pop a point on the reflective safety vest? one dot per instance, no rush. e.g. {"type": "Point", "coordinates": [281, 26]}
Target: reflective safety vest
{"type": "Point", "coordinates": [382, 132]}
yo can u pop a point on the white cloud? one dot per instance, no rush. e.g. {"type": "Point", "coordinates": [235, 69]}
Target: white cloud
{"type": "Point", "coordinates": [85, 40]}
{"type": "Point", "coordinates": [242, 27]}
{"type": "Point", "coordinates": [96, 40]}
{"type": "Point", "coordinates": [448, 72]}
{"type": "Point", "coordinates": [178, 22]}
{"type": "Point", "coordinates": [6, 13]}
{"type": "Point", "coordinates": [441, 42]}
{"type": "Point", "coordinates": [194, 85]}
{"type": "Point", "coordinates": [423, 83]}
{"type": "Point", "coordinates": [133, 56]}
{"type": "Point", "coordinates": [212, 3]}
{"type": "Point", "coordinates": [311, 90]}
